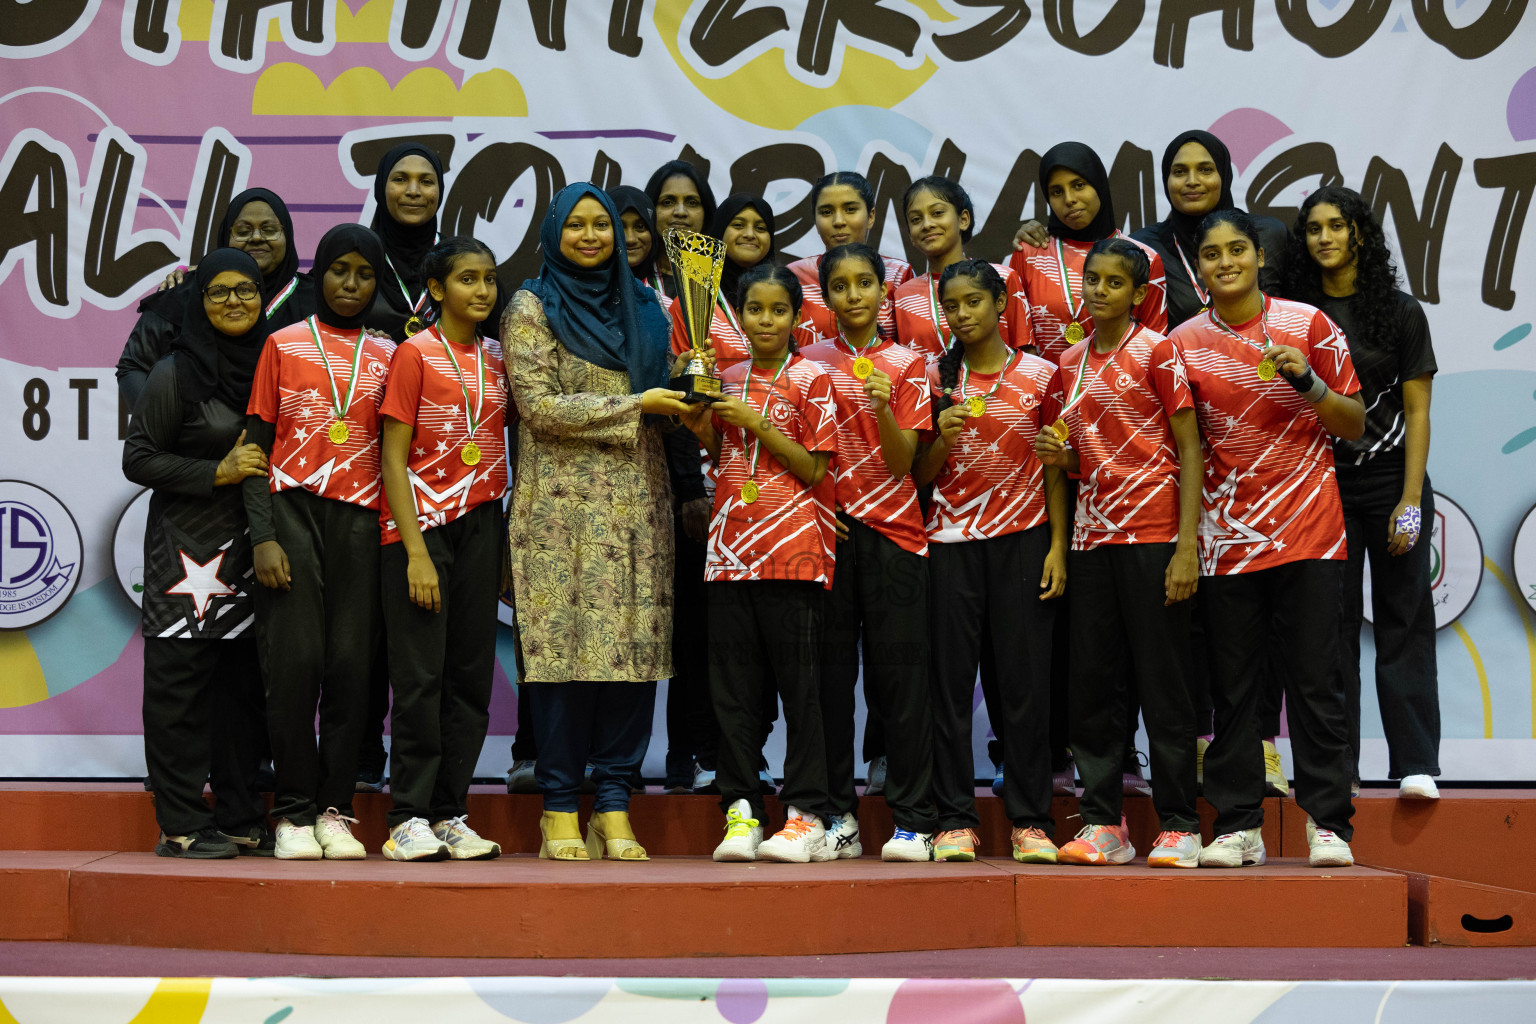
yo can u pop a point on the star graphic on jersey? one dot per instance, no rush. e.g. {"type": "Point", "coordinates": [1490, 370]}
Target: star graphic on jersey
{"type": "Point", "coordinates": [421, 451]}
{"type": "Point", "coordinates": [313, 394]}
{"type": "Point", "coordinates": [441, 473]}
{"type": "Point", "coordinates": [442, 446]}
{"type": "Point", "coordinates": [201, 582]}
{"type": "Point", "coordinates": [303, 413]}
{"type": "Point", "coordinates": [300, 434]}
{"type": "Point", "coordinates": [827, 403]}
{"type": "Point", "coordinates": [303, 462]}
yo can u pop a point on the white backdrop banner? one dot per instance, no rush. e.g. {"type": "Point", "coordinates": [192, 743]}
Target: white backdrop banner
{"type": "Point", "coordinates": [126, 125]}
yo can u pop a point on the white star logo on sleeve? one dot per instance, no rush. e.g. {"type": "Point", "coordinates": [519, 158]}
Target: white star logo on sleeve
{"type": "Point", "coordinates": [201, 582]}
{"type": "Point", "coordinates": [442, 446]}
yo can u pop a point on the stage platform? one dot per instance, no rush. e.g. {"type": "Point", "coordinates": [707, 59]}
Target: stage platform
{"type": "Point", "coordinates": [76, 867]}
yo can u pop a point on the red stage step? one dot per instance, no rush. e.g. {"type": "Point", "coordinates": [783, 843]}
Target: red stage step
{"type": "Point", "coordinates": [673, 907]}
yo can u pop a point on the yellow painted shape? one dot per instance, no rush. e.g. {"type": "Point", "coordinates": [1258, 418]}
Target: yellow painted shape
{"type": "Point", "coordinates": [289, 89]}
{"type": "Point", "coordinates": [764, 93]}
{"type": "Point", "coordinates": [21, 677]}
{"type": "Point", "coordinates": [1524, 612]}
{"type": "Point", "coordinates": [5, 1015]}
{"type": "Point", "coordinates": [369, 25]}
{"type": "Point", "coordinates": [176, 1001]}
{"type": "Point", "coordinates": [1482, 678]}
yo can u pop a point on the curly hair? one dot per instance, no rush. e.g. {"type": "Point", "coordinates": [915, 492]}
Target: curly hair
{"type": "Point", "coordinates": [1372, 305]}
{"type": "Point", "coordinates": [985, 276]}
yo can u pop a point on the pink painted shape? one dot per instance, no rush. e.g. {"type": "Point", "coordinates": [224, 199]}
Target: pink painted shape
{"type": "Point", "coordinates": [1248, 131]}
{"type": "Point", "coordinates": [967, 1001]}
{"type": "Point", "coordinates": [1521, 111]}
{"type": "Point", "coordinates": [110, 703]}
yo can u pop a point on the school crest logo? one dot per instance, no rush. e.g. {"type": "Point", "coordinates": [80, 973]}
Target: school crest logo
{"type": "Point", "coordinates": [128, 547]}
{"type": "Point", "coordinates": [39, 555]}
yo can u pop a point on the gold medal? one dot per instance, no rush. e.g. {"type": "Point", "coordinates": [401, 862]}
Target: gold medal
{"type": "Point", "coordinates": [1060, 426]}
{"type": "Point", "coordinates": [977, 405]}
{"type": "Point", "coordinates": [338, 433]}
{"type": "Point", "coordinates": [1267, 369]}
{"type": "Point", "coordinates": [470, 453]}
{"type": "Point", "coordinates": [748, 492]}
{"type": "Point", "coordinates": [1074, 333]}
{"type": "Point", "coordinates": [862, 368]}
{"type": "Point", "coordinates": [413, 326]}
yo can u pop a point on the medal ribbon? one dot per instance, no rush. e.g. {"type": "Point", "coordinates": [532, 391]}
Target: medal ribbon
{"type": "Point", "coordinates": [746, 393]}
{"type": "Point", "coordinates": [933, 309]}
{"type": "Point", "coordinates": [472, 420]}
{"type": "Point", "coordinates": [1263, 327]}
{"type": "Point", "coordinates": [1194, 278]}
{"type": "Point", "coordinates": [1074, 308]}
{"type": "Point", "coordinates": [1080, 385]}
{"type": "Point", "coordinates": [965, 376]}
{"type": "Point", "coordinates": [417, 305]}
{"type": "Point", "coordinates": [858, 353]}
{"type": "Point", "coordinates": [357, 360]}
{"type": "Point", "coordinates": [281, 297]}
{"type": "Point", "coordinates": [730, 317]}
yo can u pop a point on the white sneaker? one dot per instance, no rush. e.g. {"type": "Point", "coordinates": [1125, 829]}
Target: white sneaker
{"type": "Point", "coordinates": [906, 845]}
{"type": "Point", "coordinates": [1325, 849]}
{"type": "Point", "coordinates": [743, 834]}
{"type": "Point", "coordinates": [800, 841]}
{"type": "Point", "coordinates": [874, 783]}
{"type": "Point", "coordinates": [464, 843]}
{"type": "Point", "coordinates": [333, 831]}
{"type": "Point", "coordinates": [1418, 787]}
{"type": "Point", "coordinates": [843, 837]}
{"type": "Point", "coordinates": [296, 842]}
{"type": "Point", "coordinates": [1234, 850]}
{"type": "Point", "coordinates": [413, 840]}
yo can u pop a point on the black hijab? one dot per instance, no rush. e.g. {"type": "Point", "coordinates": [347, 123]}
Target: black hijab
{"type": "Point", "coordinates": [1182, 227]}
{"type": "Point", "coordinates": [601, 314]}
{"type": "Point", "coordinates": [674, 168]}
{"type": "Point", "coordinates": [1082, 160]}
{"type": "Point", "coordinates": [405, 246]}
{"type": "Point", "coordinates": [334, 244]}
{"type": "Point", "coordinates": [733, 205]}
{"type": "Point", "coordinates": [276, 281]}
{"type": "Point", "coordinates": [627, 198]}
{"type": "Point", "coordinates": [210, 363]}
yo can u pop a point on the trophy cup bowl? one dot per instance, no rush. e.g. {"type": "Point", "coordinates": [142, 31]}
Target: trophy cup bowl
{"type": "Point", "coordinates": [697, 262]}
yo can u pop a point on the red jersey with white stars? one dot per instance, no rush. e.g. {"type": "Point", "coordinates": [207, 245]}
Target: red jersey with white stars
{"type": "Point", "coordinates": [296, 390]}
{"type": "Point", "coordinates": [1119, 427]}
{"type": "Point", "coordinates": [1270, 494]}
{"type": "Point", "coordinates": [425, 391]}
{"type": "Point", "coordinates": [865, 488]}
{"type": "Point", "coordinates": [993, 485]}
{"type": "Point", "coordinates": [1050, 311]}
{"type": "Point", "coordinates": [816, 318]}
{"type": "Point", "coordinates": [786, 533]}
{"type": "Point", "coordinates": [920, 322]}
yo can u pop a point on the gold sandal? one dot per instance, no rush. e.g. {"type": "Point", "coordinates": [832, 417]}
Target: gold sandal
{"type": "Point", "coordinates": [562, 836]}
{"type": "Point", "coordinates": [609, 832]}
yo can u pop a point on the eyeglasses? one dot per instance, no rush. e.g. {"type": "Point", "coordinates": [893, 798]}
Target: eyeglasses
{"type": "Point", "coordinates": [245, 292]}
{"type": "Point", "coordinates": [241, 233]}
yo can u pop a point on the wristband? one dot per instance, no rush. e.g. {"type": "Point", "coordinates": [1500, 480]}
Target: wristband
{"type": "Point", "coordinates": [1409, 523]}
{"type": "Point", "coordinates": [1309, 386]}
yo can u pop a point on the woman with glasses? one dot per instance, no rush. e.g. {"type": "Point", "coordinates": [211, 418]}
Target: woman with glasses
{"type": "Point", "coordinates": [202, 689]}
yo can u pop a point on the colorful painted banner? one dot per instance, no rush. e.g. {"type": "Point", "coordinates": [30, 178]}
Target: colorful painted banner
{"type": "Point", "coordinates": [125, 125]}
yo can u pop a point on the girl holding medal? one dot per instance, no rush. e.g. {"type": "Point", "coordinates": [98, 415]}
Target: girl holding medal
{"type": "Point", "coordinates": [1130, 421]}
{"type": "Point", "coordinates": [880, 589]}
{"type": "Point", "coordinates": [940, 218]}
{"type": "Point", "coordinates": [1272, 380]}
{"type": "Point", "coordinates": [1340, 263]}
{"type": "Point", "coordinates": [407, 190]}
{"type": "Point", "coordinates": [997, 526]}
{"type": "Point", "coordinates": [1082, 212]}
{"type": "Point", "coordinates": [770, 559]}
{"type": "Point", "coordinates": [315, 532]}
{"type": "Point", "coordinates": [444, 471]}
{"type": "Point", "coordinates": [843, 204]}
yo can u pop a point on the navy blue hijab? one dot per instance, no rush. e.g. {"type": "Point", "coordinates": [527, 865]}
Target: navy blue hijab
{"type": "Point", "coordinates": [603, 314]}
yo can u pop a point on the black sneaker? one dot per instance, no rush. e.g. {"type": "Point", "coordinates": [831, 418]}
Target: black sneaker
{"type": "Point", "coordinates": [258, 841]}
{"type": "Point", "coordinates": [369, 782]}
{"type": "Point", "coordinates": [204, 844]}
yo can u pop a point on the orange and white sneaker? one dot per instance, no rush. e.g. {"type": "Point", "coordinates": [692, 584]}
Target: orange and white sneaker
{"type": "Point", "coordinates": [800, 841]}
{"type": "Point", "coordinates": [1175, 850]}
{"type": "Point", "coordinates": [1099, 844]}
{"type": "Point", "coordinates": [956, 844]}
{"type": "Point", "coordinates": [1033, 846]}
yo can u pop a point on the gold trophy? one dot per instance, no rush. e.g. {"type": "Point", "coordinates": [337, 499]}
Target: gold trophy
{"type": "Point", "coordinates": [697, 262]}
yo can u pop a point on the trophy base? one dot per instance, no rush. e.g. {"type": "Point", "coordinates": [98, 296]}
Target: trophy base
{"type": "Point", "coordinates": [697, 387]}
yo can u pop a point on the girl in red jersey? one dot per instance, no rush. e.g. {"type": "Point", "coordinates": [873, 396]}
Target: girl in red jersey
{"type": "Point", "coordinates": [770, 559]}
{"type": "Point", "coordinates": [940, 218]}
{"type": "Point", "coordinates": [1134, 445]}
{"type": "Point", "coordinates": [315, 532]}
{"type": "Point", "coordinates": [880, 589]}
{"type": "Point", "coordinates": [744, 223]}
{"type": "Point", "coordinates": [444, 461]}
{"type": "Point", "coordinates": [1077, 189]}
{"type": "Point", "coordinates": [843, 203]}
{"type": "Point", "coordinates": [997, 524]}
{"type": "Point", "coordinates": [1272, 380]}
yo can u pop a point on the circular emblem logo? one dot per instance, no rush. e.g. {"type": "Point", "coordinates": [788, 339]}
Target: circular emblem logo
{"type": "Point", "coordinates": [1124, 380]}
{"type": "Point", "coordinates": [39, 555]}
{"type": "Point", "coordinates": [1455, 562]}
{"type": "Point", "coordinates": [128, 547]}
{"type": "Point", "coordinates": [1525, 559]}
